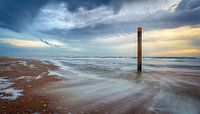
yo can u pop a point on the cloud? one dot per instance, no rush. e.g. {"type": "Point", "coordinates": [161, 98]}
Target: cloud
{"type": "Point", "coordinates": [58, 17]}
{"type": "Point", "coordinates": [178, 53]}
{"type": "Point", "coordinates": [114, 40]}
{"type": "Point", "coordinates": [169, 34]}
{"type": "Point", "coordinates": [186, 13]}
{"type": "Point", "coordinates": [188, 5]}
{"type": "Point", "coordinates": [69, 17]}
{"type": "Point", "coordinates": [154, 41]}
{"type": "Point", "coordinates": [116, 5]}
{"type": "Point", "coordinates": [52, 43]}
{"type": "Point", "coordinates": [24, 43]}
{"type": "Point", "coordinates": [103, 26]}
{"type": "Point", "coordinates": [15, 15]}
{"type": "Point", "coordinates": [57, 20]}
{"type": "Point", "coordinates": [179, 33]}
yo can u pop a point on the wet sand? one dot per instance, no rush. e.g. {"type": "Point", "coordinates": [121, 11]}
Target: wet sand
{"type": "Point", "coordinates": [30, 77]}
{"type": "Point", "coordinates": [44, 91]}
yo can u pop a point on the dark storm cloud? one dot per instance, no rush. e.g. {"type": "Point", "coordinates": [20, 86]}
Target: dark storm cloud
{"type": "Point", "coordinates": [16, 14]}
{"type": "Point", "coordinates": [187, 13]}
{"type": "Point", "coordinates": [116, 5]}
{"type": "Point", "coordinates": [189, 17]}
{"type": "Point", "coordinates": [188, 5]}
{"type": "Point", "coordinates": [73, 5]}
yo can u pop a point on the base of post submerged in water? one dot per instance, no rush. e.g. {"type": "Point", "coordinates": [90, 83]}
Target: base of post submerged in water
{"type": "Point", "coordinates": [139, 49]}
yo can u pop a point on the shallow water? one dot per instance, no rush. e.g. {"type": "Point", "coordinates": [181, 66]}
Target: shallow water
{"type": "Point", "coordinates": [112, 85]}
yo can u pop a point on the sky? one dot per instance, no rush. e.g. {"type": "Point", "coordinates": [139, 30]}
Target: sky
{"type": "Point", "coordinates": [171, 28]}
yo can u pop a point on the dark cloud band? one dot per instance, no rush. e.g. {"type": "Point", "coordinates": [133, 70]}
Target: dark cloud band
{"type": "Point", "coordinates": [16, 15]}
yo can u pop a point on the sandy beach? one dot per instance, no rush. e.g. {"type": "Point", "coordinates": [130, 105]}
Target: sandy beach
{"type": "Point", "coordinates": [21, 84]}
{"type": "Point", "coordinates": [89, 86]}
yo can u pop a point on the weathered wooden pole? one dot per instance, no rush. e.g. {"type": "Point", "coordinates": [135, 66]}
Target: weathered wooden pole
{"type": "Point", "coordinates": [139, 49]}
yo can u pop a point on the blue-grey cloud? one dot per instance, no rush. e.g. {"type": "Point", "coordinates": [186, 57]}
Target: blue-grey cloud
{"type": "Point", "coordinates": [92, 22]}
{"type": "Point", "coordinates": [74, 5]}
{"type": "Point", "coordinates": [188, 5]}
{"type": "Point", "coordinates": [49, 43]}
{"type": "Point", "coordinates": [187, 13]}
{"type": "Point", "coordinates": [16, 14]}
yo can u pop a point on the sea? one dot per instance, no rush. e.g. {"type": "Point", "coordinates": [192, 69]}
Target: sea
{"type": "Point", "coordinates": [166, 85]}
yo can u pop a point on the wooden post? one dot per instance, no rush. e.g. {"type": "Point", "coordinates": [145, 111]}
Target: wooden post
{"type": "Point", "coordinates": [139, 49]}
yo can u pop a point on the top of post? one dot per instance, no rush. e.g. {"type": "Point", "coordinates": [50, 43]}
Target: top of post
{"type": "Point", "coordinates": [139, 29]}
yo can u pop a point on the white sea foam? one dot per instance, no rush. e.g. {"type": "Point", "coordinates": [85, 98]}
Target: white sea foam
{"type": "Point", "coordinates": [40, 76]}
{"type": "Point", "coordinates": [25, 78]}
{"type": "Point", "coordinates": [105, 79]}
{"type": "Point", "coordinates": [55, 73]}
{"type": "Point", "coordinates": [24, 62]}
{"type": "Point", "coordinates": [5, 88]}
{"type": "Point", "coordinates": [167, 102]}
{"type": "Point", "coordinates": [64, 71]}
{"type": "Point", "coordinates": [30, 78]}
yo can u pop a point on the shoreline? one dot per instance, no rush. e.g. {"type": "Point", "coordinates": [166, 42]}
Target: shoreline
{"type": "Point", "coordinates": [79, 86]}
